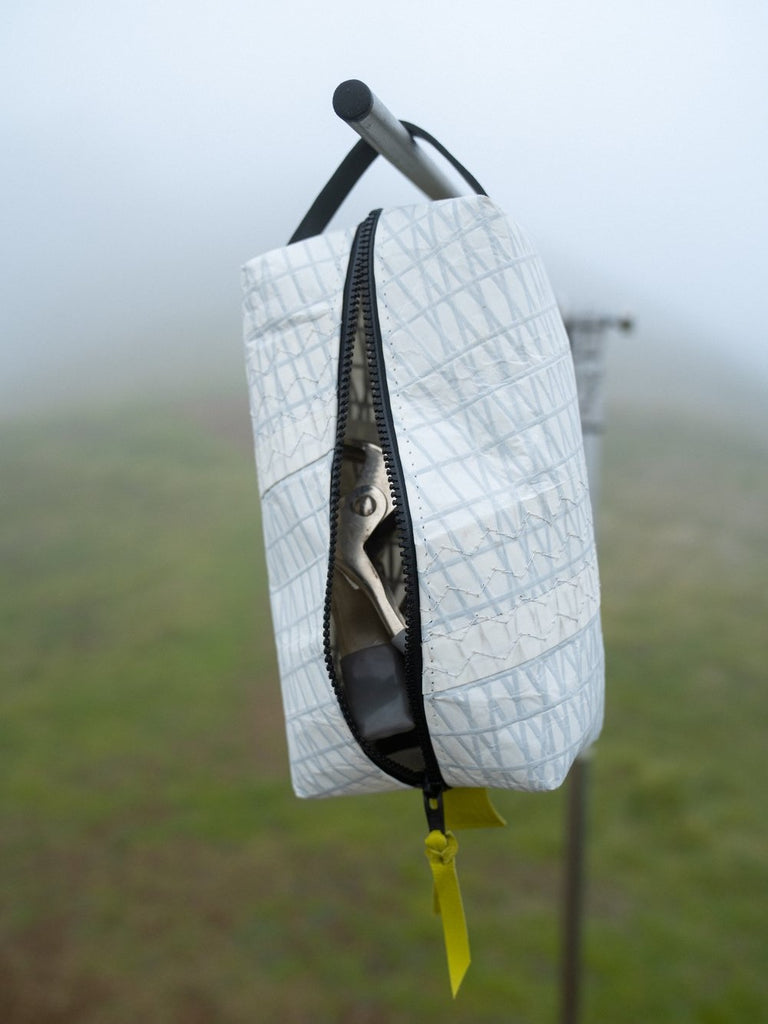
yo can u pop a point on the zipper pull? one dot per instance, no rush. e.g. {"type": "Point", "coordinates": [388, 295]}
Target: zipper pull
{"type": "Point", "coordinates": [441, 850]}
{"type": "Point", "coordinates": [441, 847]}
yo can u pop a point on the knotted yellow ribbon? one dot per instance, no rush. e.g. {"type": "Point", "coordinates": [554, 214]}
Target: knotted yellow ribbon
{"type": "Point", "coordinates": [441, 850]}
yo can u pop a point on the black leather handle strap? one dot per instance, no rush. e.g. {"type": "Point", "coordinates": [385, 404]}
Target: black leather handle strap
{"type": "Point", "coordinates": [349, 172]}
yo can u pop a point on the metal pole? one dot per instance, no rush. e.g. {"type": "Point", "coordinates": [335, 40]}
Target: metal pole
{"type": "Point", "coordinates": [354, 103]}
{"type": "Point", "coordinates": [573, 904]}
{"type": "Point", "coordinates": [587, 337]}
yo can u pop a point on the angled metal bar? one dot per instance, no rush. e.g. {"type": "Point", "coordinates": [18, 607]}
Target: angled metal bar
{"type": "Point", "coordinates": [354, 103]}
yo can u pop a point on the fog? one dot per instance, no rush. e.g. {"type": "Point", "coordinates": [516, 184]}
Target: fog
{"type": "Point", "coordinates": [151, 148]}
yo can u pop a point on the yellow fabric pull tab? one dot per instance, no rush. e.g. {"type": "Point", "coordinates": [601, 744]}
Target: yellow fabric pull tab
{"type": "Point", "coordinates": [470, 808]}
{"type": "Point", "coordinates": [441, 853]}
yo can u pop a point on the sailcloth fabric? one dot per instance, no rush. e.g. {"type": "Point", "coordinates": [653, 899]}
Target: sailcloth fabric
{"type": "Point", "coordinates": [482, 397]}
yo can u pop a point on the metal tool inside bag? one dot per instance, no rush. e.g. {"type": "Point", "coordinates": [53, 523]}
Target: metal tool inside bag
{"type": "Point", "coordinates": [370, 628]}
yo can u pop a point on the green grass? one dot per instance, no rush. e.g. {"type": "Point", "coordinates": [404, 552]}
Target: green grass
{"type": "Point", "coordinates": [154, 864]}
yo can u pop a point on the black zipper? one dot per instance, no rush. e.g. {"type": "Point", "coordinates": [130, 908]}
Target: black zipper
{"type": "Point", "coordinates": [360, 299]}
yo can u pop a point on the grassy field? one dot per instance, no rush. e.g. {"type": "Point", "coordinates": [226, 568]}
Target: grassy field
{"type": "Point", "coordinates": [154, 865]}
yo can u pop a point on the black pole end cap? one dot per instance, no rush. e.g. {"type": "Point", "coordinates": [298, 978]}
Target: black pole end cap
{"type": "Point", "coordinates": [352, 100]}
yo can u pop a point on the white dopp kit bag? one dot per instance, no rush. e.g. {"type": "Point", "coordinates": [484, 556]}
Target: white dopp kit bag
{"type": "Point", "coordinates": [426, 514]}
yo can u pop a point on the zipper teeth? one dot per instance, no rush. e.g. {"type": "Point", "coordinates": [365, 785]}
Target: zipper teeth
{"type": "Point", "coordinates": [382, 411]}
{"type": "Point", "coordinates": [359, 291]}
{"type": "Point", "coordinates": [350, 307]}
{"type": "Point", "coordinates": [352, 303]}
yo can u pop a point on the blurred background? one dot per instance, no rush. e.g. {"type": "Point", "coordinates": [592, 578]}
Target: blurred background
{"type": "Point", "coordinates": [153, 861]}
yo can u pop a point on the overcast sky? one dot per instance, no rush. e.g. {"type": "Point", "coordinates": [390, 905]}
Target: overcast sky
{"type": "Point", "coordinates": [150, 148]}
